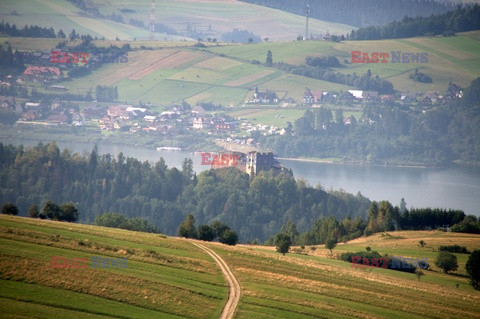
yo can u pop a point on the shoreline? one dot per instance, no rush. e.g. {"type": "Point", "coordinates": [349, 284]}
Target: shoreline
{"type": "Point", "coordinates": [102, 139]}
{"type": "Point", "coordinates": [341, 162]}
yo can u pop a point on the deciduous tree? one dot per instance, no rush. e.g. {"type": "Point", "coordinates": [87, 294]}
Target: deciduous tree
{"type": "Point", "coordinates": [446, 261]}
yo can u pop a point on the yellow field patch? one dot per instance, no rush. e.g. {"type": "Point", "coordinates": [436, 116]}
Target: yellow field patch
{"type": "Point", "coordinates": [88, 23]}
{"type": "Point", "coordinates": [218, 64]}
{"type": "Point", "coordinates": [444, 48]}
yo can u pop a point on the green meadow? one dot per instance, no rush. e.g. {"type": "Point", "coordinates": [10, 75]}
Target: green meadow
{"type": "Point", "coordinates": [224, 74]}
{"type": "Point", "coordinates": [165, 277]}
{"type": "Point", "coordinates": [204, 15]}
{"type": "Point", "coordinates": [169, 277]}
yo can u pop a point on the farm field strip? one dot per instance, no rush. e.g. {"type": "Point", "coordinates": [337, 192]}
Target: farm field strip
{"type": "Point", "coordinates": [164, 276]}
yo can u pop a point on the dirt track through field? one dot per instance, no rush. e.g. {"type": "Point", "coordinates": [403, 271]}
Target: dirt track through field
{"type": "Point", "coordinates": [235, 290]}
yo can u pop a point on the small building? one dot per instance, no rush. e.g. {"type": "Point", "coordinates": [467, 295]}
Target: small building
{"type": "Point", "coordinates": [31, 115]}
{"type": "Point", "coordinates": [149, 118]}
{"type": "Point", "coordinates": [201, 123]}
{"type": "Point", "coordinates": [370, 95]}
{"type": "Point", "coordinates": [59, 119]}
{"type": "Point", "coordinates": [33, 105]}
{"type": "Point", "coordinates": [312, 97]}
{"type": "Point", "coordinates": [118, 111]}
{"type": "Point", "coordinates": [267, 97]}
{"type": "Point", "coordinates": [42, 73]}
{"type": "Point", "coordinates": [7, 102]}
{"type": "Point", "coordinates": [426, 101]}
{"type": "Point", "coordinates": [358, 94]}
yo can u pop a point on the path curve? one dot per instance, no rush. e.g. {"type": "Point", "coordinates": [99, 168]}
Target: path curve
{"type": "Point", "coordinates": [235, 290]}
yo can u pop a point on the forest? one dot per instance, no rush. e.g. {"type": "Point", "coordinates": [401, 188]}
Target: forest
{"type": "Point", "coordinates": [446, 24]}
{"type": "Point", "coordinates": [359, 12]}
{"type": "Point", "coordinates": [389, 133]}
{"type": "Point", "coordinates": [159, 197]}
{"type": "Point", "coordinates": [255, 208]}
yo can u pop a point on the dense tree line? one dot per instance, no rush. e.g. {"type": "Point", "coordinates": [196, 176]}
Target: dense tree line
{"type": "Point", "coordinates": [391, 133]}
{"type": "Point", "coordinates": [322, 62]}
{"type": "Point", "coordinates": [254, 207]}
{"type": "Point", "coordinates": [359, 12]}
{"type": "Point", "coordinates": [382, 217]}
{"type": "Point", "coordinates": [106, 93]}
{"type": "Point", "coordinates": [15, 90]}
{"type": "Point", "coordinates": [240, 36]}
{"type": "Point", "coordinates": [156, 198]}
{"type": "Point", "coordinates": [66, 212]}
{"type": "Point", "coordinates": [420, 77]}
{"type": "Point", "coordinates": [10, 61]}
{"type": "Point", "coordinates": [459, 20]}
{"type": "Point", "coordinates": [116, 220]}
{"type": "Point", "coordinates": [367, 82]}
{"type": "Point", "coordinates": [32, 31]}
{"type": "Point", "coordinates": [217, 230]}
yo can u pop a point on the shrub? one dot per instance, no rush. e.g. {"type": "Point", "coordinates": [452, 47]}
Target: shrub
{"type": "Point", "coordinates": [446, 261]}
{"type": "Point", "coordinates": [454, 249]}
{"type": "Point", "coordinates": [205, 233]}
{"type": "Point", "coordinates": [187, 227]}
{"type": "Point", "coordinates": [9, 209]}
{"type": "Point", "coordinates": [229, 237]}
{"type": "Point", "coordinates": [33, 211]}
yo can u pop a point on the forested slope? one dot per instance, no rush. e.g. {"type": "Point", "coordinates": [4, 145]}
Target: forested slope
{"type": "Point", "coordinates": [254, 207]}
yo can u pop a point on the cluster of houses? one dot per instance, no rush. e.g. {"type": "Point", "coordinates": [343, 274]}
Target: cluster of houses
{"type": "Point", "coordinates": [42, 74]}
{"type": "Point", "coordinates": [316, 97]}
{"type": "Point", "coordinates": [169, 122]}
{"type": "Point", "coordinates": [425, 99]}
{"type": "Point", "coordinates": [57, 113]}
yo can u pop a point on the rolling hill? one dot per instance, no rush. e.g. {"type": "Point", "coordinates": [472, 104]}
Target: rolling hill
{"type": "Point", "coordinates": [173, 278]}
{"type": "Point", "coordinates": [204, 17]}
{"type": "Point", "coordinates": [224, 74]}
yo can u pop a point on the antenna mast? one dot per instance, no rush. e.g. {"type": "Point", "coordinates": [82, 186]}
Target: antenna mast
{"type": "Point", "coordinates": [307, 9]}
{"type": "Point", "coordinates": [152, 22]}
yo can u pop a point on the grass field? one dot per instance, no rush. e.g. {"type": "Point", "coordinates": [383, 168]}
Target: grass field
{"type": "Point", "coordinates": [176, 71]}
{"type": "Point", "coordinates": [212, 18]}
{"type": "Point", "coordinates": [223, 74]}
{"type": "Point", "coordinates": [171, 278]}
{"type": "Point", "coordinates": [165, 277]}
{"type": "Point", "coordinates": [452, 59]}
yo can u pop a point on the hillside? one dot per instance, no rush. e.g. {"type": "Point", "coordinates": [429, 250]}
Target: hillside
{"type": "Point", "coordinates": [191, 18]}
{"type": "Point", "coordinates": [224, 74]}
{"type": "Point", "coordinates": [172, 278]}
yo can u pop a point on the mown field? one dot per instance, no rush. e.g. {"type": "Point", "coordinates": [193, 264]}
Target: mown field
{"type": "Point", "coordinates": [170, 278]}
{"type": "Point", "coordinates": [224, 74]}
{"type": "Point", "coordinates": [165, 277]}
{"type": "Point", "coordinates": [312, 284]}
{"type": "Point", "coordinates": [453, 59]}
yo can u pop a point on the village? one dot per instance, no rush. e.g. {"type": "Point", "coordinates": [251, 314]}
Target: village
{"type": "Point", "coordinates": [181, 118]}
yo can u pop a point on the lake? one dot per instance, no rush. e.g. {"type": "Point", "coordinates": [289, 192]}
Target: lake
{"type": "Point", "coordinates": [455, 187]}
